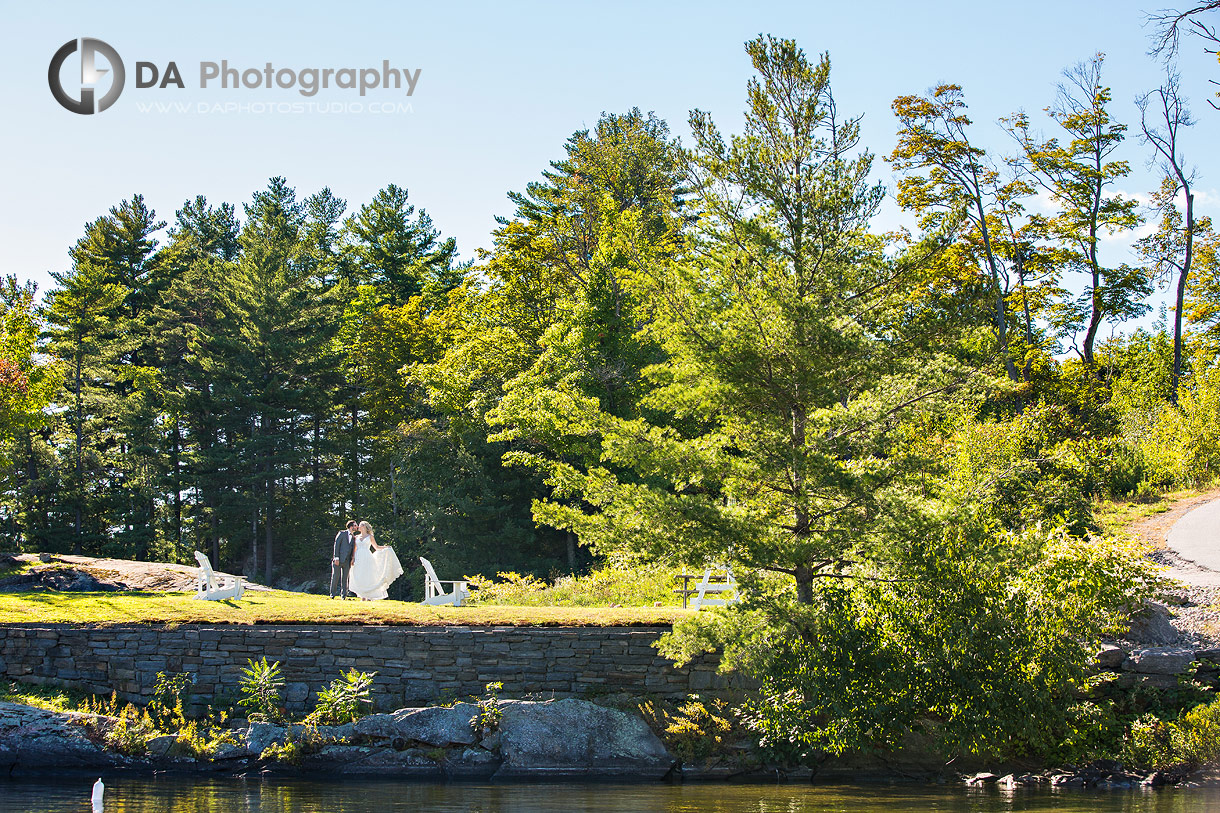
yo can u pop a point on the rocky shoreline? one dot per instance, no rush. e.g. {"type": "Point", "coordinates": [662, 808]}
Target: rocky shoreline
{"type": "Point", "coordinates": [565, 739]}
{"type": "Point", "coordinates": [561, 739]}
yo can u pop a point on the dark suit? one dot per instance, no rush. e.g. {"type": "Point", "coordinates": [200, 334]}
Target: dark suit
{"type": "Point", "coordinates": [345, 550]}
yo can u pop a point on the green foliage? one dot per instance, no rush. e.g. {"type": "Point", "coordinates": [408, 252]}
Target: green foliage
{"type": "Point", "coordinates": [488, 717]}
{"type": "Point", "coordinates": [1155, 743]}
{"type": "Point", "coordinates": [124, 727]}
{"type": "Point", "coordinates": [46, 697]}
{"type": "Point", "coordinates": [170, 695]}
{"type": "Point", "coordinates": [260, 684]}
{"type": "Point", "coordinates": [1080, 175]}
{"type": "Point", "coordinates": [345, 700]}
{"type": "Point", "coordinates": [287, 753]}
{"type": "Point", "coordinates": [694, 731]}
{"type": "Point", "coordinates": [1149, 744]}
{"type": "Point", "coordinates": [1180, 443]}
{"type": "Point", "coordinates": [639, 585]}
{"type": "Point", "coordinates": [981, 647]}
{"type": "Point", "coordinates": [1017, 473]}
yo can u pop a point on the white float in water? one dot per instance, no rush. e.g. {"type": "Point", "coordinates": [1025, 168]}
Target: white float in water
{"type": "Point", "coordinates": [98, 790]}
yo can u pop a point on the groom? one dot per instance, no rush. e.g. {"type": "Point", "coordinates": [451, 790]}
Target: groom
{"type": "Point", "coordinates": [341, 561]}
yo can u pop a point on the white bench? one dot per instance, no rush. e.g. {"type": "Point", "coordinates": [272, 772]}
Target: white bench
{"type": "Point", "coordinates": [715, 592]}
{"type": "Point", "coordinates": [434, 591]}
{"type": "Point", "coordinates": [211, 588]}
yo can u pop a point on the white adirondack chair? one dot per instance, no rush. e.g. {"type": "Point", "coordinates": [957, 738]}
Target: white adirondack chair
{"type": "Point", "coordinates": [715, 592]}
{"type": "Point", "coordinates": [211, 588]}
{"type": "Point", "coordinates": [434, 591]}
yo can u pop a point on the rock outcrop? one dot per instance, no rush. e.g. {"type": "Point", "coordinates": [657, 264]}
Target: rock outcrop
{"type": "Point", "coordinates": [568, 738]}
{"type": "Point", "coordinates": [564, 738]}
{"type": "Point", "coordinates": [36, 741]}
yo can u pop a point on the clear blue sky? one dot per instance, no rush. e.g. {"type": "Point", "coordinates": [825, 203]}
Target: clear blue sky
{"type": "Point", "coordinates": [502, 86]}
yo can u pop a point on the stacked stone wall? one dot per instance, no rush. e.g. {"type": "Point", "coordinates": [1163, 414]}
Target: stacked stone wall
{"type": "Point", "coordinates": [414, 665]}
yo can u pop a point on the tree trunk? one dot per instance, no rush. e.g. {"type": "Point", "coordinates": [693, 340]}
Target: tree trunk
{"type": "Point", "coordinates": [1181, 293]}
{"type": "Point", "coordinates": [254, 534]}
{"type": "Point", "coordinates": [316, 463]}
{"type": "Point", "coordinates": [214, 533]}
{"type": "Point", "coordinates": [80, 433]}
{"type": "Point", "coordinates": [177, 452]}
{"type": "Point", "coordinates": [354, 474]}
{"type": "Point", "coordinates": [393, 494]}
{"type": "Point", "coordinates": [270, 508]}
{"type": "Point", "coordinates": [1001, 315]}
{"type": "Point", "coordinates": [804, 584]}
{"type": "Point", "coordinates": [1029, 321]}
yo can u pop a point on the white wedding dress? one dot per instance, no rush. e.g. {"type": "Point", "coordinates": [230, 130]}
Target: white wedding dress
{"type": "Point", "coordinates": [373, 570]}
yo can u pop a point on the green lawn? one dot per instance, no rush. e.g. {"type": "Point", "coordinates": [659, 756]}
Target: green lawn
{"type": "Point", "coordinates": [279, 607]}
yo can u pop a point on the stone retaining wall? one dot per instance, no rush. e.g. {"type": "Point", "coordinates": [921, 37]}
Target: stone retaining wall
{"type": "Point", "coordinates": [414, 665]}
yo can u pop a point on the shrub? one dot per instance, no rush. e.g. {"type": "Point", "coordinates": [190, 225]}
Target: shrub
{"type": "Point", "coordinates": [1180, 444]}
{"type": "Point", "coordinates": [929, 646]}
{"type": "Point", "coordinates": [1198, 734]}
{"type": "Point", "coordinates": [695, 731]}
{"type": "Point", "coordinates": [125, 728]}
{"type": "Point", "coordinates": [1189, 741]}
{"type": "Point", "coordinates": [290, 753]}
{"type": "Point", "coordinates": [170, 695]}
{"type": "Point", "coordinates": [629, 585]}
{"type": "Point", "coordinates": [260, 689]}
{"type": "Point", "coordinates": [488, 718]}
{"type": "Point", "coordinates": [345, 700]}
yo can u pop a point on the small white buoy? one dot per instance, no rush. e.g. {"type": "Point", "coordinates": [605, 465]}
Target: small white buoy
{"type": "Point", "coordinates": [98, 790]}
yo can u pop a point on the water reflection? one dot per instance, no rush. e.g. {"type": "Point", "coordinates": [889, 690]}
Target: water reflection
{"type": "Point", "coordinates": [189, 795]}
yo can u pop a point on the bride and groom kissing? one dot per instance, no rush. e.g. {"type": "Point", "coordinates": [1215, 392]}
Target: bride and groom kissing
{"type": "Point", "coordinates": [361, 566]}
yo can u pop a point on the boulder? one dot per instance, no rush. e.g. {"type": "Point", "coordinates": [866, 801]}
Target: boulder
{"type": "Point", "coordinates": [576, 738]}
{"type": "Point", "coordinates": [261, 735]}
{"type": "Point", "coordinates": [472, 763]}
{"type": "Point", "coordinates": [34, 740]}
{"type": "Point", "coordinates": [1166, 660]}
{"type": "Point", "coordinates": [1152, 625]}
{"type": "Point", "coordinates": [227, 750]}
{"type": "Point", "coordinates": [436, 726]}
{"type": "Point", "coordinates": [983, 779]}
{"type": "Point", "coordinates": [414, 763]}
{"type": "Point", "coordinates": [1109, 658]}
{"type": "Point", "coordinates": [158, 747]}
{"type": "Point", "coordinates": [1068, 780]}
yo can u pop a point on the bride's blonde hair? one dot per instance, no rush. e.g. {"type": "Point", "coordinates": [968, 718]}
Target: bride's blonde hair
{"type": "Point", "coordinates": [366, 528]}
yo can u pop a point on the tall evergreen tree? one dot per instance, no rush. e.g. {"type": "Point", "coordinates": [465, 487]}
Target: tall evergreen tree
{"type": "Point", "coordinates": [790, 360]}
{"type": "Point", "coordinates": [81, 333]}
{"type": "Point", "coordinates": [396, 250]}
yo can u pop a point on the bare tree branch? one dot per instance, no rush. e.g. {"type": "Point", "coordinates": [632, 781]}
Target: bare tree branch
{"type": "Point", "coordinates": [1171, 24]}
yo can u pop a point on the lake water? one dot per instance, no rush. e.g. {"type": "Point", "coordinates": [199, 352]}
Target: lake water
{"type": "Point", "coordinates": [190, 795]}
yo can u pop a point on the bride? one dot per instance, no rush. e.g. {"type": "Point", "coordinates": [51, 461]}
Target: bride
{"type": "Point", "coordinates": [374, 566]}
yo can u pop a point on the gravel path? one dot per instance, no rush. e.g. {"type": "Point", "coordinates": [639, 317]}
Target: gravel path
{"type": "Point", "coordinates": [1195, 601]}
